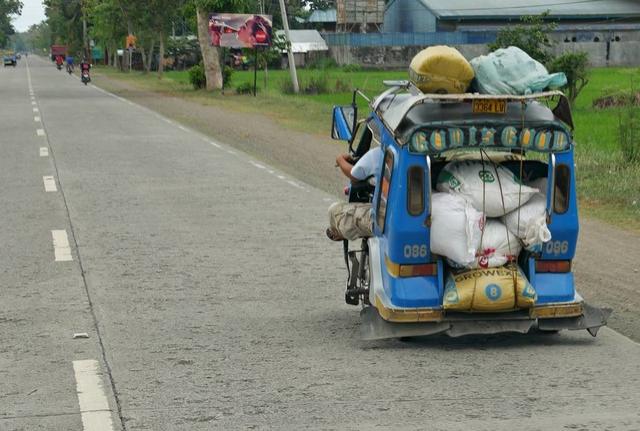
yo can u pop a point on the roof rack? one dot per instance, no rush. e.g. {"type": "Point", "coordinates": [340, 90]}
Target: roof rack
{"type": "Point", "coordinates": [394, 115]}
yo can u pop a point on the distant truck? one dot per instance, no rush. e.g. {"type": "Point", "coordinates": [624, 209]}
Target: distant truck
{"type": "Point", "coordinates": [57, 50]}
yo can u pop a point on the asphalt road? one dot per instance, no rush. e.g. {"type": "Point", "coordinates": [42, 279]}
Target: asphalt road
{"type": "Point", "coordinates": [212, 301]}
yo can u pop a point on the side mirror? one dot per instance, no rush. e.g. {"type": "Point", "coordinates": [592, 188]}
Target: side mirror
{"type": "Point", "coordinates": [344, 123]}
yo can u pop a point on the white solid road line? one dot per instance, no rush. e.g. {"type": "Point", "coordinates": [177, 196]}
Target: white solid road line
{"type": "Point", "coordinates": [61, 247]}
{"type": "Point", "coordinates": [40, 132]}
{"type": "Point", "coordinates": [257, 165]}
{"type": "Point", "coordinates": [44, 152]}
{"type": "Point", "coordinates": [294, 184]}
{"type": "Point", "coordinates": [49, 183]}
{"type": "Point", "coordinates": [94, 406]}
{"type": "Point", "coordinates": [205, 139]}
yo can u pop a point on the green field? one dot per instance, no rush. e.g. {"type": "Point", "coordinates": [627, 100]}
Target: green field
{"type": "Point", "coordinates": [609, 186]}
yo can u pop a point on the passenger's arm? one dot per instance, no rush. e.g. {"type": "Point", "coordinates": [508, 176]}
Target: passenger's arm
{"type": "Point", "coordinates": [345, 164]}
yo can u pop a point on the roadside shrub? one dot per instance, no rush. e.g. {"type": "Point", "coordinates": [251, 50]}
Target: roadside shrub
{"type": "Point", "coordinates": [629, 134]}
{"type": "Point", "coordinates": [244, 88]}
{"type": "Point", "coordinates": [575, 66]}
{"type": "Point", "coordinates": [531, 35]}
{"type": "Point", "coordinates": [322, 63]}
{"type": "Point", "coordinates": [197, 77]}
{"type": "Point", "coordinates": [286, 86]}
{"type": "Point", "coordinates": [342, 86]}
{"type": "Point", "coordinates": [318, 84]}
{"type": "Point", "coordinates": [349, 68]}
{"type": "Point", "coordinates": [227, 75]}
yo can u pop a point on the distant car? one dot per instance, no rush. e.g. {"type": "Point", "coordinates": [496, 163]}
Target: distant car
{"type": "Point", "coordinates": [10, 60]}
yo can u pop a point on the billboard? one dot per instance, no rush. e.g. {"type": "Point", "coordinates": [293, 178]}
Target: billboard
{"type": "Point", "coordinates": [232, 30]}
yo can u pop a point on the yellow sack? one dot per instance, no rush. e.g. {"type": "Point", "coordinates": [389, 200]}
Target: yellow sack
{"type": "Point", "coordinates": [441, 69]}
{"type": "Point", "coordinates": [488, 290]}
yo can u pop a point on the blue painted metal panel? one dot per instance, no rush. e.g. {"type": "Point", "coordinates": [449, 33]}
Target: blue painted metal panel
{"type": "Point", "coordinates": [553, 287]}
{"type": "Point", "coordinates": [341, 127]}
{"type": "Point", "coordinates": [407, 38]}
{"type": "Point", "coordinates": [412, 291]}
{"type": "Point", "coordinates": [564, 227]}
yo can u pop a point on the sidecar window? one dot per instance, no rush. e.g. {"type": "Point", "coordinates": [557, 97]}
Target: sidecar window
{"type": "Point", "coordinates": [381, 210]}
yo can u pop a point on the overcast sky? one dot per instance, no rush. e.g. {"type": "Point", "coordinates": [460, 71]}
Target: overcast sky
{"type": "Point", "coordinates": [32, 13]}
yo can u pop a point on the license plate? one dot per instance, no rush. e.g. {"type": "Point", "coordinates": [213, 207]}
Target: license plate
{"type": "Point", "coordinates": [489, 106]}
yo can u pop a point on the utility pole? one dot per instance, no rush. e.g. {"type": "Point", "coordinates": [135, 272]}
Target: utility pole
{"type": "Point", "coordinates": [85, 42]}
{"type": "Point", "coordinates": [292, 62]}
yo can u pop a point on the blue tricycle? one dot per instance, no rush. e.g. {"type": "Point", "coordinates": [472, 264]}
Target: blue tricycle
{"type": "Point", "coordinates": [396, 278]}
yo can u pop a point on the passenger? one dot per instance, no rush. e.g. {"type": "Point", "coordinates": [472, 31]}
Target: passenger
{"type": "Point", "coordinates": [350, 220]}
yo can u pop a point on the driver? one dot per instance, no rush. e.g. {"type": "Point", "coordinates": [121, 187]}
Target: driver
{"type": "Point", "coordinates": [69, 62]}
{"type": "Point", "coordinates": [348, 220]}
{"type": "Point", "coordinates": [85, 65]}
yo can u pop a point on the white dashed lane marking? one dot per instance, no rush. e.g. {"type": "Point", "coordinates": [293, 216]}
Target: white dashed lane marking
{"type": "Point", "coordinates": [94, 406]}
{"type": "Point", "coordinates": [33, 102]}
{"type": "Point", "coordinates": [44, 152]}
{"type": "Point", "coordinates": [61, 247]}
{"type": "Point", "coordinates": [36, 119]}
{"type": "Point", "coordinates": [40, 132]}
{"type": "Point", "coordinates": [215, 144]}
{"type": "Point", "coordinates": [49, 184]}
{"type": "Point", "coordinates": [35, 110]}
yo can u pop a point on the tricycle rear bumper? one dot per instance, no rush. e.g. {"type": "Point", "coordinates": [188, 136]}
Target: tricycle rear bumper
{"type": "Point", "coordinates": [374, 327]}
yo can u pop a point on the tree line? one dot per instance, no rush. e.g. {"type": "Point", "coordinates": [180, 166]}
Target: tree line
{"type": "Point", "coordinates": [8, 9]}
{"type": "Point", "coordinates": [108, 23]}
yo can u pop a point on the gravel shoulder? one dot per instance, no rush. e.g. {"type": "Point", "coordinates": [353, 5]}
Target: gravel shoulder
{"type": "Point", "coordinates": [607, 265]}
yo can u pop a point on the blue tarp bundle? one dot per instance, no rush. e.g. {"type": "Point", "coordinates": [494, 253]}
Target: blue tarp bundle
{"type": "Point", "coordinates": [513, 71]}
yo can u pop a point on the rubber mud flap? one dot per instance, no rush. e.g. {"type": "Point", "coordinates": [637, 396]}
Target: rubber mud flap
{"type": "Point", "coordinates": [461, 328]}
{"type": "Point", "coordinates": [592, 319]}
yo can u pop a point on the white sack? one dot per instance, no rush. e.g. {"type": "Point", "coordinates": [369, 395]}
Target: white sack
{"type": "Point", "coordinates": [498, 246]}
{"type": "Point", "coordinates": [467, 179]}
{"type": "Point", "coordinates": [540, 184]}
{"type": "Point", "coordinates": [532, 225]}
{"type": "Point", "coordinates": [455, 228]}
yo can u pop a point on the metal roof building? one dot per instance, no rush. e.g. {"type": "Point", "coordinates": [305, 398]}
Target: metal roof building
{"type": "Point", "coordinates": [452, 15]}
{"type": "Point", "coordinates": [303, 41]}
{"type": "Point", "coordinates": [323, 16]}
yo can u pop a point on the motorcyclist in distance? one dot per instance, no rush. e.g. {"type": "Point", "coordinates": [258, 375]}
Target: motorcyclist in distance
{"type": "Point", "coordinates": [85, 67]}
{"type": "Point", "coordinates": [69, 60]}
